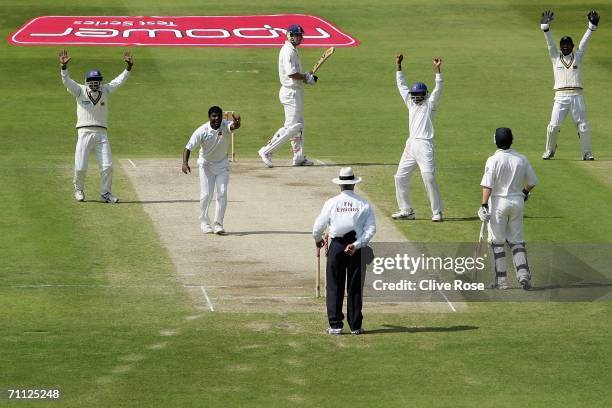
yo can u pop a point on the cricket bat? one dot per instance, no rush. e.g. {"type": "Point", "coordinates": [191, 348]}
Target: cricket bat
{"type": "Point", "coordinates": [328, 52]}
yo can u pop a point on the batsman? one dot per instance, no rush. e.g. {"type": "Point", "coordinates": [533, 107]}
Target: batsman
{"type": "Point", "coordinates": [291, 96]}
{"type": "Point", "coordinates": [507, 181]}
{"type": "Point", "coordinates": [568, 85]}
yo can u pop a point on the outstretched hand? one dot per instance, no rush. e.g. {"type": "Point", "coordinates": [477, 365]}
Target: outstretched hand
{"type": "Point", "coordinates": [547, 17]}
{"type": "Point", "coordinates": [399, 58]}
{"type": "Point", "coordinates": [236, 121]}
{"type": "Point", "coordinates": [437, 63]}
{"type": "Point", "coordinates": [64, 58]}
{"type": "Point", "coordinates": [593, 17]}
{"type": "Point", "coordinates": [129, 60]}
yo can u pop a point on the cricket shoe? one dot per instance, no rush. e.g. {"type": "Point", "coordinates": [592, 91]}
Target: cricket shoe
{"type": "Point", "coordinates": [218, 229]}
{"type": "Point", "coordinates": [266, 157]}
{"type": "Point", "coordinates": [206, 229]}
{"type": "Point", "coordinates": [524, 282]}
{"type": "Point", "coordinates": [549, 154]}
{"type": "Point", "coordinates": [333, 332]}
{"type": "Point", "coordinates": [304, 162]}
{"type": "Point", "coordinates": [358, 332]}
{"type": "Point", "coordinates": [588, 156]}
{"type": "Point", "coordinates": [499, 283]}
{"type": "Point", "coordinates": [437, 217]}
{"type": "Point", "coordinates": [79, 195]}
{"type": "Point", "coordinates": [404, 215]}
{"type": "Point", "coordinates": [109, 198]}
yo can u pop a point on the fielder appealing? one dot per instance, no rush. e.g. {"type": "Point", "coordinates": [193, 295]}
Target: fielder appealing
{"type": "Point", "coordinates": [92, 123]}
{"type": "Point", "coordinates": [568, 85]}
{"type": "Point", "coordinates": [291, 96]}
{"type": "Point", "coordinates": [212, 138]}
{"type": "Point", "coordinates": [419, 150]}
{"type": "Point", "coordinates": [506, 183]}
{"type": "Point", "coordinates": [351, 225]}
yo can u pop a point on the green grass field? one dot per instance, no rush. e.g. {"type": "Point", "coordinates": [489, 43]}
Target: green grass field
{"type": "Point", "coordinates": [86, 290]}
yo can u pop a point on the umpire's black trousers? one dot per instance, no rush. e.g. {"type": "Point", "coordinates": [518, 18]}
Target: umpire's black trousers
{"type": "Point", "coordinates": [344, 269]}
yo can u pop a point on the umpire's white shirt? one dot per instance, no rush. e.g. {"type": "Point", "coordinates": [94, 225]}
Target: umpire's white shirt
{"type": "Point", "coordinates": [507, 173]}
{"type": "Point", "coordinates": [420, 116]}
{"type": "Point", "coordinates": [213, 143]}
{"type": "Point", "coordinates": [92, 107]}
{"type": "Point", "coordinates": [344, 213]}
{"type": "Point", "coordinates": [289, 64]}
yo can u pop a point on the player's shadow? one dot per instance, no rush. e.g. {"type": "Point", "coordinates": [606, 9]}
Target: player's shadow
{"type": "Point", "coordinates": [243, 233]}
{"type": "Point", "coordinates": [401, 329]}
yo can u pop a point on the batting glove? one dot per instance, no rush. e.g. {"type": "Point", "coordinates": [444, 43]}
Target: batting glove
{"type": "Point", "coordinates": [311, 79]}
{"type": "Point", "coordinates": [547, 17]}
{"type": "Point", "coordinates": [593, 20]}
{"type": "Point", "coordinates": [525, 194]}
{"type": "Point", "coordinates": [483, 213]}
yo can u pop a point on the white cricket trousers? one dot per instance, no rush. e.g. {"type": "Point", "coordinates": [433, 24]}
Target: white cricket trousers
{"type": "Point", "coordinates": [418, 153]}
{"type": "Point", "coordinates": [292, 100]}
{"type": "Point", "coordinates": [506, 222]}
{"type": "Point", "coordinates": [95, 138]}
{"type": "Point", "coordinates": [561, 107]}
{"type": "Point", "coordinates": [214, 178]}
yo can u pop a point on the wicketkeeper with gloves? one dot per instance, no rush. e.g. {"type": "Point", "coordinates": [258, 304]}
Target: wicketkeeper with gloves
{"type": "Point", "coordinates": [507, 181]}
{"type": "Point", "coordinates": [568, 85]}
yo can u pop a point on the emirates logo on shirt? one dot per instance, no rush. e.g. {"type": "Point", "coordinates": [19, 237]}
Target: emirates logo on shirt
{"type": "Point", "coordinates": [191, 31]}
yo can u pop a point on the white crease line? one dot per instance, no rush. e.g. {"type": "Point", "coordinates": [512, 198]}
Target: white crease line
{"type": "Point", "coordinates": [132, 163]}
{"type": "Point", "coordinates": [210, 305]}
{"type": "Point", "coordinates": [246, 287]}
{"type": "Point", "coordinates": [321, 162]}
{"type": "Point", "coordinates": [448, 301]}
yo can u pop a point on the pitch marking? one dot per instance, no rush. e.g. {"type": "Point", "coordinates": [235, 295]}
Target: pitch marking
{"type": "Point", "coordinates": [210, 305]}
{"type": "Point", "coordinates": [132, 163]}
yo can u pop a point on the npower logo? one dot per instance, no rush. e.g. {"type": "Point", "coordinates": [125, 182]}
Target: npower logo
{"type": "Point", "coordinates": [190, 31]}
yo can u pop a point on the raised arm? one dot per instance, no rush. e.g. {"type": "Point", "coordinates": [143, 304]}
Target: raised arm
{"type": "Point", "coordinates": [401, 82]}
{"type": "Point", "coordinates": [547, 17]}
{"type": "Point", "coordinates": [593, 18]}
{"type": "Point", "coordinates": [121, 78]}
{"type": "Point", "coordinates": [435, 94]}
{"type": "Point", "coordinates": [72, 87]}
{"type": "Point", "coordinates": [235, 122]}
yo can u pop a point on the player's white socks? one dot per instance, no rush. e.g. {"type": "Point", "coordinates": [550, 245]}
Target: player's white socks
{"type": "Point", "coordinates": [519, 258]}
{"type": "Point", "coordinates": [281, 136]}
{"type": "Point", "coordinates": [433, 192]}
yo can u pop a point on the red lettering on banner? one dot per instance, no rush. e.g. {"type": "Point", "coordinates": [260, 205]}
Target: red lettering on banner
{"type": "Point", "coordinates": [189, 31]}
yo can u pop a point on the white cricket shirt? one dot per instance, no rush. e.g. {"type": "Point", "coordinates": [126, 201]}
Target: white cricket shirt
{"type": "Point", "coordinates": [344, 213]}
{"type": "Point", "coordinates": [507, 173]}
{"type": "Point", "coordinates": [213, 143]}
{"type": "Point", "coordinates": [288, 64]}
{"type": "Point", "coordinates": [420, 116]}
{"type": "Point", "coordinates": [566, 68]}
{"type": "Point", "coordinates": [92, 107]}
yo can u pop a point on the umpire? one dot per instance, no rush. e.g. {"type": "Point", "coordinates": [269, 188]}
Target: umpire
{"type": "Point", "coordinates": [350, 222]}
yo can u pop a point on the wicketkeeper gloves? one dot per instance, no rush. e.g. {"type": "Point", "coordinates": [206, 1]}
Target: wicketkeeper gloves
{"type": "Point", "coordinates": [593, 20]}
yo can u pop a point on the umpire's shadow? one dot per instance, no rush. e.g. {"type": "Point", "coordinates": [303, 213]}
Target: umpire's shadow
{"type": "Point", "coordinates": [401, 329]}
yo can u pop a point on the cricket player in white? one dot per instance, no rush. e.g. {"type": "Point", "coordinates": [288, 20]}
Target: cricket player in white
{"type": "Point", "coordinates": [212, 138]}
{"type": "Point", "coordinates": [419, 150]}
{"type": "Point", "coordinates": [291, 96]}
{"type": "Point", "coordinates": [92, 123]}
{"type": "Point", "coordinates": [568, 86]}
{"type": "Point", "coordinates": [506, 183]}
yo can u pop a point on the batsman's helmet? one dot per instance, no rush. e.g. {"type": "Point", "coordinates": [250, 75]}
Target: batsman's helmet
{"type": "Point", "coordinates": [295, 29]}
{"type": "Point", "coordinates": [567, 40]}
{"type": "Point", "coordinates": [503, 138]}
{"type": "Point", "coordinates": [418, 87]}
